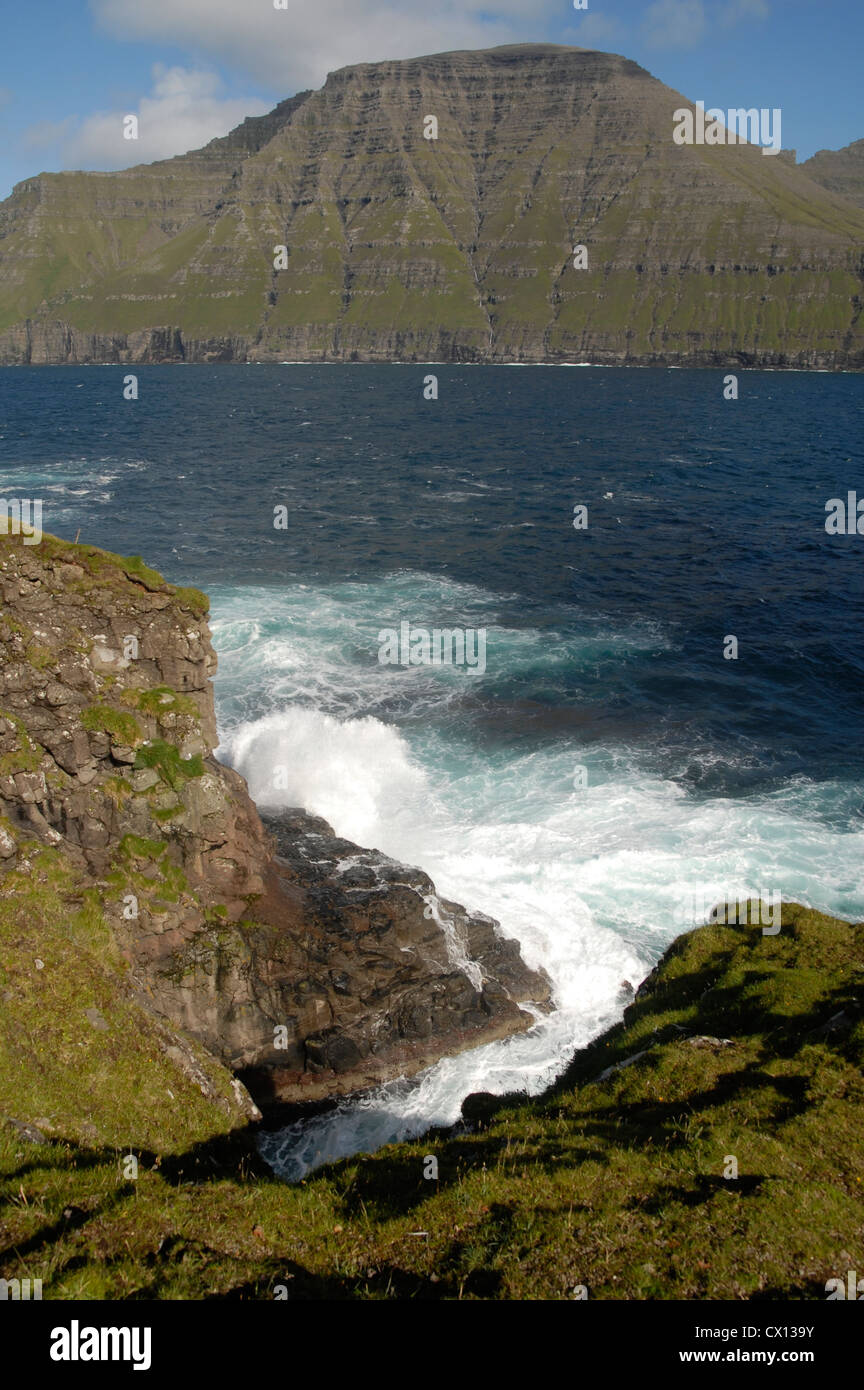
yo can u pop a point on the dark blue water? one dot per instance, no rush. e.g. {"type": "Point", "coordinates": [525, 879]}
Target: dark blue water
{"type": "Point", "coordinates": [706, 518]}
{"type": "Point", "coordinates": [604, 646]}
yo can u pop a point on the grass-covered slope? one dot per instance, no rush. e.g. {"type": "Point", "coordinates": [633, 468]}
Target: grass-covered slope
{"type": "Point", "coordinates": [454, 248]}
{"type": "Point", "coordinates": [81, 1058]}
{"type": "Point", "coordinates": [751, 1049]}
{"type": "Point", "coordinates": [85, 1054]}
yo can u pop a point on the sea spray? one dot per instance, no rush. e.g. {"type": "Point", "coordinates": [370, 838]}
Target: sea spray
{"type": "Point", "coordinates": [588, 878]}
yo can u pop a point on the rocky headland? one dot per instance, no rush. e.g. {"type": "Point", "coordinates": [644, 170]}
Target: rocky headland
{"type": "Point", "coordinates": [277, 962]}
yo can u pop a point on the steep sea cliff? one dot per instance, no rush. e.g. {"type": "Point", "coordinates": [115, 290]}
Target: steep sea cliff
{"type": "Point", "coordinates": [333, 229]}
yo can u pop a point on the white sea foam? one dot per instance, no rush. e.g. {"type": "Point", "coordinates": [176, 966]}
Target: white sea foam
{"type": "Point", "coordinates": [357, 772]}
{"type": "Point", "coordinates": [589, 880]}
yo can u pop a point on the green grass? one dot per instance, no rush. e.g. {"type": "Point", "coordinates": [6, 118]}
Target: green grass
{"type": "Point", "coordinates": [79, 1056]}
{"type": "Point", "coordinates": [123, 728]}
{"type": "Point", "coordinates": [193, 599]}
{"type": "Point", "coordinates": [617, 1184]}
{"type": "Point", "coordinates": [166, 759]}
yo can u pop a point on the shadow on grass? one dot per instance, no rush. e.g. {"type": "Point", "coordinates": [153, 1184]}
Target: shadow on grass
{"type": "Point", "coordinates": [512, 1135]}
{"type": "Point", "coordinates": [385, 1281]}
{"type": "Point", "coordinates": [791, 1293]}
{"type": "Point", "coordinates": [703, 1187]}
{"type": "Point", "coordinates": [501, 1129]}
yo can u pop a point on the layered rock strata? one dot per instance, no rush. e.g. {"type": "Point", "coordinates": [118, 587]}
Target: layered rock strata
{"type": "Point", "coordinates": [335, 230]}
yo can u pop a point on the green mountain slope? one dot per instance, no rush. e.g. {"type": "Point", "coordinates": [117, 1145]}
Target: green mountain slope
{"type": "Point", "coordinates": [455, 248]}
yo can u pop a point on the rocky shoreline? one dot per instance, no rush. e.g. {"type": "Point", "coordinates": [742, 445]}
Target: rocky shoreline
{"type": "Point", "coordinates": [304, 966]}
{"type": "Point", "coordinates": [41, 344]}
{"type": "Point", "coordinates": [155, 930]}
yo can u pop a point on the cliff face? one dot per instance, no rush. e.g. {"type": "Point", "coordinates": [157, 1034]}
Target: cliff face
{"type": "Point", "coordinates": [455, 248]}
{"type": "Point", "coordinates": [311, 966]}
{"type": "Point", "coordinates": [840, 171]}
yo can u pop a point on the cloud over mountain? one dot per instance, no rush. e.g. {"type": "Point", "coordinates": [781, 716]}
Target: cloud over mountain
{"type": "Point", "coordinates": [185, 109]}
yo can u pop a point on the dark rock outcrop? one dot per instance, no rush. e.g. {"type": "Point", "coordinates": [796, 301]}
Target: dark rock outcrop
{"type": "Point", "coordinates": [307, 964]}
{"type": "Point", "coordinates": [379, 970]}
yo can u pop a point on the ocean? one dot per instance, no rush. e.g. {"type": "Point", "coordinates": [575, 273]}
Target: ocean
{"type": "Point", "coordinates": [616, 762]}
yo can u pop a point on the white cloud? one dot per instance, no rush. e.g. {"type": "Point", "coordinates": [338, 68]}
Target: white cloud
{"type": "Point", "coordinates": [184, 111]}
{"type": "Point", "coordinates": [674, 24]}
{"type": "Point", "coordinates": [295, 48]}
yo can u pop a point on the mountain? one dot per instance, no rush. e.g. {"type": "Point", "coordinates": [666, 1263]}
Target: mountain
{"type": "Point", "coordinates": [840, 171]}
{"type": "Point", "coordinates": [458, 248]}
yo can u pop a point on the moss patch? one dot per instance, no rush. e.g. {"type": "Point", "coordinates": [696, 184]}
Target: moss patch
{"type": "Point", "coordinates": [123, 728]}
{"type": "Point", "coordinates": [26, 757]}
{"type": "Point", "coordinates": [160, 700]}
{"type": "Point", "coordinates": [166, 760]}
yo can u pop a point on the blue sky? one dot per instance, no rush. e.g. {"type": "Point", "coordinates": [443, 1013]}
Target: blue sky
{"type": "Point", "coordinates": [192, 69]}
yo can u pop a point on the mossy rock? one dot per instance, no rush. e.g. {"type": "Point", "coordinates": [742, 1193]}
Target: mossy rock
{"type": "Point", "coordinates": [123, 728]}
{"type": "Point", "coordinates": [165, 758]}
{"type": "Point", "coordinates": [27, 757]}
{"type": "Point", "coordinates": [161, 700]}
